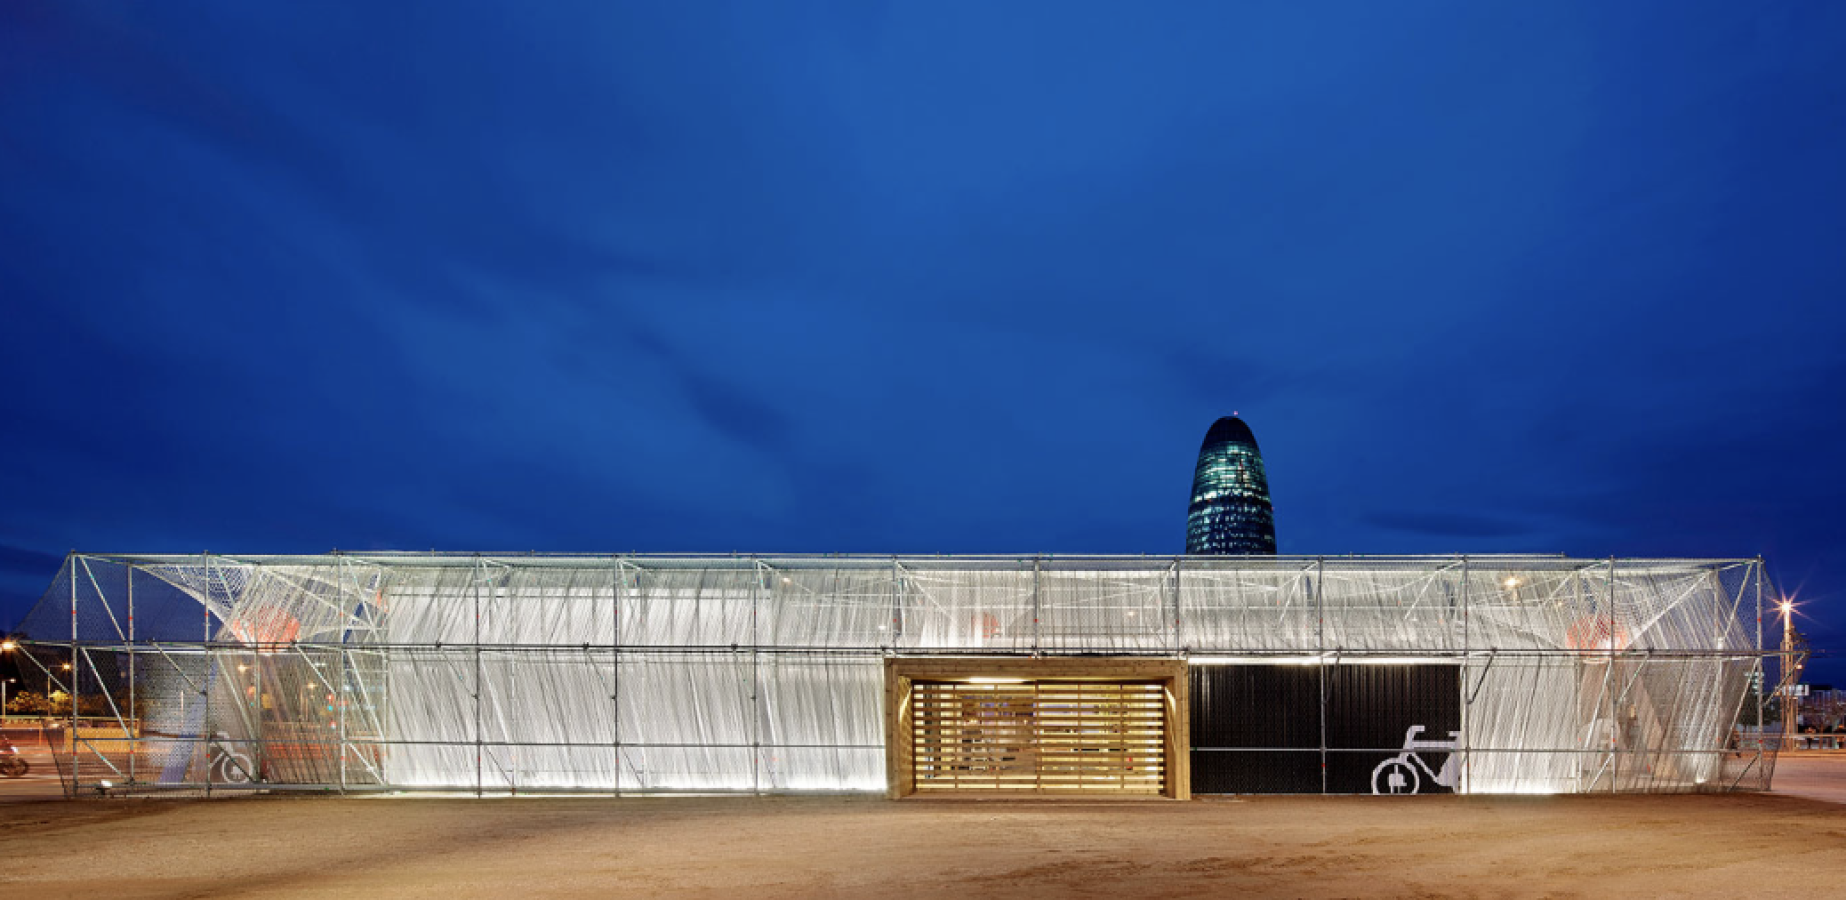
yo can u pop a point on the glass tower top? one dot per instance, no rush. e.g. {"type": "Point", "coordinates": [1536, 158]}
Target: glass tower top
{"type": "Point", "coordinates": [1230, 511]}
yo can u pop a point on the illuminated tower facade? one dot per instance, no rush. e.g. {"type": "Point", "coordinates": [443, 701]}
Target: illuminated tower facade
{"type": "Point", "coordinates": [1230, 511]}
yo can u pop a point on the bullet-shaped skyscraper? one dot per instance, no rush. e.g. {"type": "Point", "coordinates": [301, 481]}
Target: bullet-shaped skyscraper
{"type": "Point", "coordinates": [1230, 511]}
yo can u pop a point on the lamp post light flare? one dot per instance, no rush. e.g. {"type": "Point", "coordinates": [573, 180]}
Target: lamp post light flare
{"type": "Point", "coordinates": [6, 647]}
{"type": "Point", "coordinates": [1791, 706]}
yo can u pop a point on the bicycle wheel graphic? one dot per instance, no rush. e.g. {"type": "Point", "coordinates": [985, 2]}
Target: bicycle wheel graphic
{"type": "Point", "coordinates": [233, 768]}
{"type": "Point", "coordinates": [1396, 776]}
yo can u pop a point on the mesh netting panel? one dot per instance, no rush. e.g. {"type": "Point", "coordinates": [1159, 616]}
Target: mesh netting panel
{"type": "Point", "coordinates": [1125, 611]}
{"type": "Point", "coordinates": [1235, 608]}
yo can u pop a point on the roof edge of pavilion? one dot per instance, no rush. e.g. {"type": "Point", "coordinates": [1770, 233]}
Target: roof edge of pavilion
{"type": "Point", "coordinates": [1123, 560]}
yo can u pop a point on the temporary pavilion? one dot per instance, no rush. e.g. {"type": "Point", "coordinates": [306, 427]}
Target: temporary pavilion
{"type": "Point", "coordinates": [1160, 676]}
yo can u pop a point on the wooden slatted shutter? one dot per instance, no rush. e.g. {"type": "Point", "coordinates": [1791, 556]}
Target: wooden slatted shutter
{"type": "Point", "coordinates": [1039, 736]}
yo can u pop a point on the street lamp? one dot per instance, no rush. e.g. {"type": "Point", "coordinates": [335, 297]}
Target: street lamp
{"type": "Point", "coordinates": [65, 667]}
{"type": "Point", "coordinates": [6, 647]}
{"type": "Point", "coordinates": [1791, 707]}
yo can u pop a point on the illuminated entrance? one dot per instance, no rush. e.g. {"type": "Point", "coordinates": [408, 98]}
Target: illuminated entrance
{"type": "Point", "coordinates": [1042, 736]}
{"type": "Point", "coordinates": [1049, 727]}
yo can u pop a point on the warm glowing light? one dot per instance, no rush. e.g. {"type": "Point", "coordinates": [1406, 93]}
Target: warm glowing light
{"type": "Point", "coordinates": [8, 646]}
{"type": "Point", "coordinates": [1597, 633]}
{"type": "Point", "coordinates": [1788, 606]}
{"type": "Point", "coordinates": [1512, 581]}
{"type": "Point", "coordinates": [66, 667]}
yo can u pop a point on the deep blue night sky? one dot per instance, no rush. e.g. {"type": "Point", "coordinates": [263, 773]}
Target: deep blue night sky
{"type": "Point", "coordinates": [1557, 277]}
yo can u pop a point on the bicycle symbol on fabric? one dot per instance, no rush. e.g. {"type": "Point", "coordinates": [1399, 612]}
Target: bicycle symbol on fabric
{"type": "Point", "coordinates": [228, 765]}
{"type": "Point", "coordinates": [1397, 776]}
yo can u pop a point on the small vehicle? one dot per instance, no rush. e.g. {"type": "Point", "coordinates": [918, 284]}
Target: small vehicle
{"type": "Point", "coordinates": [1397, 776]}
{"type": "Point", "coordinates": [12, 765]}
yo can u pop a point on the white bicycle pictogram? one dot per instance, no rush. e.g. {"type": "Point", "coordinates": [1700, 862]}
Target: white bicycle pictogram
{"type": "Point", "coordinates": [1397, 776]}
{"type": "Point", "coordinates": [227, 765]}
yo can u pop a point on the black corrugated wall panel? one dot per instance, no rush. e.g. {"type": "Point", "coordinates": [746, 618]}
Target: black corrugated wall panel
{"type": "Point", "coordinates": [1258, 729]}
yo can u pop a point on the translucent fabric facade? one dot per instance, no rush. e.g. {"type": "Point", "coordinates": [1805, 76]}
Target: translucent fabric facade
{"type": "Point", "coordinates": [1230, 512]}
{"type": "Point", "coordinates": [660, 674]}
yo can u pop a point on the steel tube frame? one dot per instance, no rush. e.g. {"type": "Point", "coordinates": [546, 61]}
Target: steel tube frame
{"type": "Point", "coordinates": [1058, 603]}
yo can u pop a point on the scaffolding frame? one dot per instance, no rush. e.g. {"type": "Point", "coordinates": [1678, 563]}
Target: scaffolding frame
{"type": "Point", "coordinates": [635, 673]}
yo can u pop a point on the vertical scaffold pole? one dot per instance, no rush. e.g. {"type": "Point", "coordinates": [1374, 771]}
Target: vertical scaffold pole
{"type": "Point", "coordinates": [515, 754]}
{"type": "Point", "coordinates": [1317, 594]}
{"type": "Point", "coordinates": [1467, 642]}
{"type": "Point", "coordinates": [1036, 577]}
{"type": "Point", "coordinates": [480, 570]}
{"type": "Point", "coordinates": [756, 679]}
{"type": "Point", "coordinates": [1173, 586]}
{"type": "Point", "coordinates": [1615, 750]}
{"type": "Point", "coordinates": [261, 751]}
{"type": "Point", "coordinates": [342, 578]}
{"type": "Point", "coordinates": [897, 597]}
{"type": "Point", "coordinates": [615, 674]}
{"type": "Point", "coordinates": [339, 701]}
{"type": "Point", "coordinates": [1762, 677]}
{"type": "Point", "coordinates": [134, 707]}
{"type": "Point", "coordinates": [382, 743]}
{"type": "Point", "coordinates": [205, 689]}
{"type": "Point", "coordinates": [70, 566]}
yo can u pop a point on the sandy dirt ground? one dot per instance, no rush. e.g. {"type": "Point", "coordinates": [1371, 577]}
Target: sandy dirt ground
{"type": "Point", "coordinates": [1819, 775]}
{"type": "Point", "coordinates": [1632, 846]}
